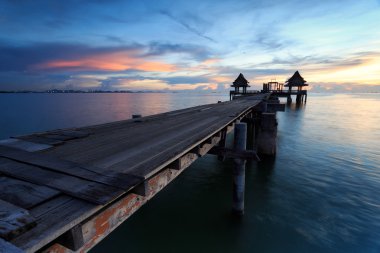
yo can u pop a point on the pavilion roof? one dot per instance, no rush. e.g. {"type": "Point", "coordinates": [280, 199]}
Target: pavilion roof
{"type": "Point", "coordinates": [240, 81]}
{"type": "Point", "coordinates": [296, 80]}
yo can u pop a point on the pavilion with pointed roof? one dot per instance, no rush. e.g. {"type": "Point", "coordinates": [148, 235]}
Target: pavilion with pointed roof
{"type": "Point", "coordinates": [296, 81]}
{"type": "Point", "coordinates": [240, 82]}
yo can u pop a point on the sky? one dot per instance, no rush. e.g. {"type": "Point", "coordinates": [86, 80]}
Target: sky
{"type": "Point", "coordinates": [199, 45]}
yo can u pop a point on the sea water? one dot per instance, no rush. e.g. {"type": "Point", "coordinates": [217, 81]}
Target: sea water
{"type": "Point", "coordinates": [320, 194]}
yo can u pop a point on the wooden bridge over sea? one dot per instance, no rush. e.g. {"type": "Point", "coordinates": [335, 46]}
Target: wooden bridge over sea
{"type": "Point", "coordinates": [65, 190]}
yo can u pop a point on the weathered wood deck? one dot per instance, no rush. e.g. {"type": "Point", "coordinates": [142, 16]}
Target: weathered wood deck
{"type": "Point", "coordinates": [68, 189]}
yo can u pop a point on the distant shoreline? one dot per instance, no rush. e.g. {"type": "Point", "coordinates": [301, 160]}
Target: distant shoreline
{"type": "Point", "coordinates": [158, 91]}
{"type": "Point", "coordinates": [82, 91]}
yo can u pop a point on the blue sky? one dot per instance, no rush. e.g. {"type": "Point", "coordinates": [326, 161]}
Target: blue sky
{"type": "Point", "coordinates": [188, 45]}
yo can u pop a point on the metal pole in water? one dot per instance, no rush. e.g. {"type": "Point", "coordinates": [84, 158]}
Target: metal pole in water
{"type": "Point", "coordinates": [240, 143]}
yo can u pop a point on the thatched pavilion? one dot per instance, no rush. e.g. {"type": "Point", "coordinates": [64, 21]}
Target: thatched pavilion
{"type": "Point", "coordinates": [240, 82]}
{"type": "Point", "coordinates": [296, 81]}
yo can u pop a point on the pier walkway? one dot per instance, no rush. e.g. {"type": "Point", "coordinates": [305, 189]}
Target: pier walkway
{"type": "Point", "coordinates": [65, 190]}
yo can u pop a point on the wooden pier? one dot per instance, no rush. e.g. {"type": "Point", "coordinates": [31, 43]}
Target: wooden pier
{"type": "Point", "coordinates": [273, 87]}
{"type": "Point", "coordinates": [65, 190]}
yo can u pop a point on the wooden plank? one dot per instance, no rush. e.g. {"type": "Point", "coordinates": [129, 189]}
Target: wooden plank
{"type": "Point", "coordinates": [58, 219]}
{"type": "Point", "coordinates": [152, 160]}
{"type": "Point", "coordinates": [63, 135]}
{"type": "Point", "coordinates": [40, 139]}
{"type": "Point", "coordinates": [57, 137]}
{"type": "Point", "coordinates": [79, 188]}
{"type": "Point", "coordinates": [13, 220]}
{"type": "Point", "coordinates": [24, 194]}
{"type": "Point", "coordinates": [24, 145]}
{"type": "Point", "coordinates": [74, 133]}
{"type": "Point", "coordinates": [90, 173]}
{"type": "Point", "coordinates": [6, 247]}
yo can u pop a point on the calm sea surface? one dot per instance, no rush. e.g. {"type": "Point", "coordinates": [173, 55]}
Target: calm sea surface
{"type": "Point", "coordinates": [321, 194]}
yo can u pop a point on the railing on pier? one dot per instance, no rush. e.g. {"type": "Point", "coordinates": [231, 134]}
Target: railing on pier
{"type": "Point", "coordinates": [241, 93]}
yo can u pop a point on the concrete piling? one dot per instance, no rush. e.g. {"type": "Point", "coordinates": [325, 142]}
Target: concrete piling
{"type": "Point", "coordinates": [267, 138]}
{"type": "Point", "coordinates": [240, 143]}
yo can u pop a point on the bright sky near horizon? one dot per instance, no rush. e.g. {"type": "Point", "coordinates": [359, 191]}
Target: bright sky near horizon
{"type": "Point", "coordinates": [181, 45]}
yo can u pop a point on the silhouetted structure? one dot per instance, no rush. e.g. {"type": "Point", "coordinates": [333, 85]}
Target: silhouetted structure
{"type": "Point", "coordinates": [277, 88]}
{"type": "Point", "coordinates": [240, 82]}
{"type": "Point", "coordinates": [273, 86]}
{"type": "Point", "coordinates": [296, 81]}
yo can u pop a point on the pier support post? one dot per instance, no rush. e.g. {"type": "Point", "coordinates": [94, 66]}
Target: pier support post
{"type": "Point", "coordinates": [298, 99]}
{"type": "Point", "coordinates": [240, 143]}
{"type": "Point", "coordinates": [267, 139]}
{"type": "Point", "coordinates": [222, 143]}
{"type": "Point", "coordinates": [289, 99]}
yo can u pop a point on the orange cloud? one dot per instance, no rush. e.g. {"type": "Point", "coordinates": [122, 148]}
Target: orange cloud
{"type": "Point", "coordinates": [157, 84]}
{"type": "Point", "coordinates": [365, 73]}
{"type": "Point", "coordinates": [118, 61]}
{"type": "Point", "coordinates": [221, 79]}
{"type": "Point", "coordinates": [210, 61]}
{"type": "Point", "coordinates": [146, 84]}
{"type": "Point", "coordinates": [211, 86]}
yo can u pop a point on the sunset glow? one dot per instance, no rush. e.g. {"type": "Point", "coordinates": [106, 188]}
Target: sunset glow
{"type": "Point", "coordinates": [189, 45]}
{"type": "Point", "coordinates": [108, 62]}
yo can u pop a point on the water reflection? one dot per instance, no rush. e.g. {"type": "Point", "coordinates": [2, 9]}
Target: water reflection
{"type": "Point", "coordinates": [26, 113]}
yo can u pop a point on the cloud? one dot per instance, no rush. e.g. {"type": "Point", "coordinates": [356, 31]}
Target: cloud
{"type": "Point", "coordinates": [344, 88]}
{"type": "Point", "coordinates": [186, 25]}
{"type": "Point", "coordinates": [195, 51]}
{"type": "Point", "coordinates": [322, 62]}
{"type": "Point", "coordinates": [80, 57]}
{"type": "Point", "coordinates": [139, 84]}
{"type": "Point", "coordinates": [270, 41]}
{"type": "Point", "coordinates": [186, 79]}
{"type": "Point", "coordinates": [21, 58]}
{"type": "Point", "coordinates": [114, 38]}
{"type": "Point", "coordinates": [108, 62]}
